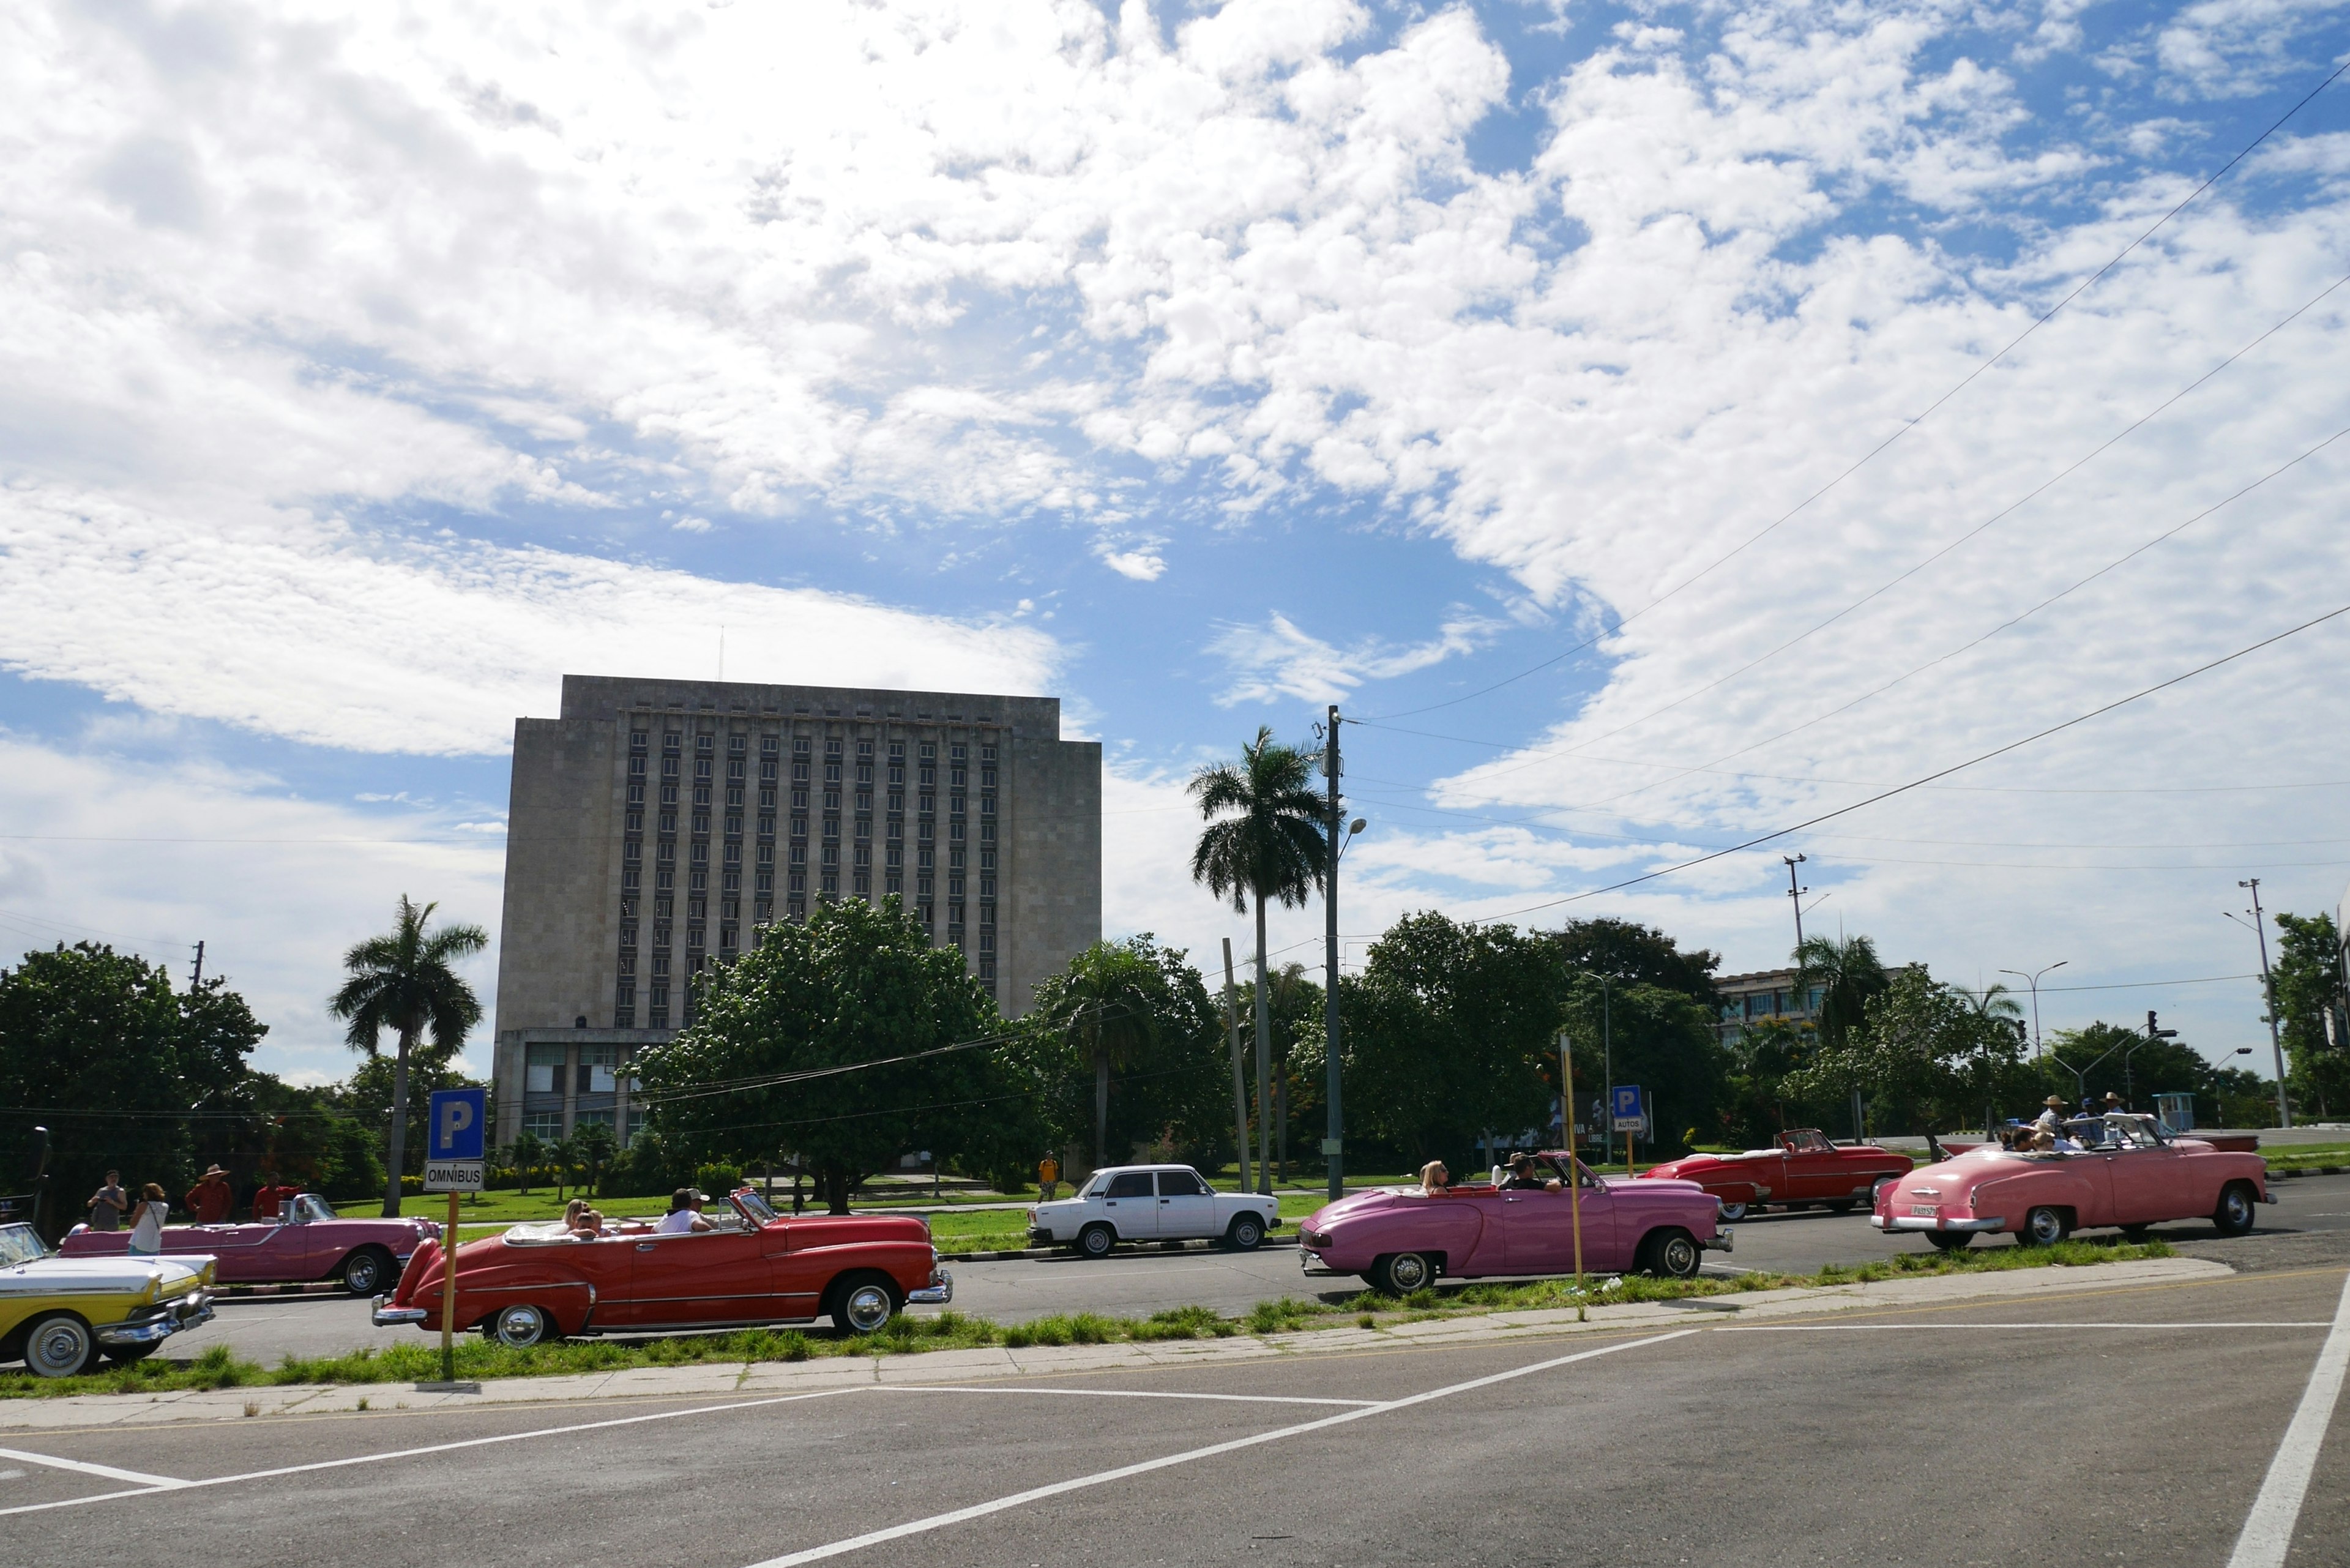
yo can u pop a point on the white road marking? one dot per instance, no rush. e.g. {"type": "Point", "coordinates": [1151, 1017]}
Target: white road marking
{"type": "Point", "coordinates": [1102, 1478]}
{"type": "Point", "coordinates": [162, 1484]}
{"type": "Point", "coordinates": [153, 1483]}
{"type": "Point", "coordinates": [1940, 1327]}
{"type": "Point", "coordinates": [2268, 1528]}
{"type": "Point", "coordinates": [1109, 1393]}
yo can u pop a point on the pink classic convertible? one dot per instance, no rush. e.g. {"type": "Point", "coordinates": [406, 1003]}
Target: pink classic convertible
{"type": "Point", "coordinates": [2122, 1169]}
{"type": "Point", "coordinates": [1400, 1238]}
{"type": "Point", "coordinates": [307, 1241]}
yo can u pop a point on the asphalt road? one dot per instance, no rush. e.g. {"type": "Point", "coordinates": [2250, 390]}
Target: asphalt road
{"type": "Point", "coordinates": [2132, 1426]}
{"type": "Point", "coordinates": [1138, 1282]}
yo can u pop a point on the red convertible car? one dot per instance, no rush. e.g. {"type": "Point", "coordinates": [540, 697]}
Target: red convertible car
{"type": "Point", "coordinates": [1807, 1166]}
{"type": "Point", "coordinates": [1400, 1238]}
{"type": "Point", "coordinates": [541, 1281]}
{"type": "Point", "coordinates": [307, 1241]}
{"type": "Point", "coordinates": [2122, 1169]}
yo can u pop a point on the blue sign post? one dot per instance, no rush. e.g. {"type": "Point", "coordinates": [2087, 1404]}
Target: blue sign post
{"type": "Point", "coordinates": [1629, 1111]}
{"type": "Point", "coordinates": [456, 1142]}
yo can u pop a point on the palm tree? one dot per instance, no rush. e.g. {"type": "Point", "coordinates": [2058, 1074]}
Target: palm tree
{"type": "Point", "coordinates": [564, 1155]}
{"type": "Point", "coordinates": [527, 1151]}
{"type": "Point", "coordinates": [1105, 1002]}
{"type": "Point", "coordinates": [1270, 845]}
{"type": "Point", "coordinates": [1993, 1002]}
{"type": "Point", "coordinates": [1848, 974]}
{"type": "Point", "coordinates": [596, 1147]}
{"type": "Point", "coordinates": [403, 982]}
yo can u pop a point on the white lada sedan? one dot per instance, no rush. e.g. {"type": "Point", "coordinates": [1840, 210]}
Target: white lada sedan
{"type": "Point", "coordinates": [1151, 1203]}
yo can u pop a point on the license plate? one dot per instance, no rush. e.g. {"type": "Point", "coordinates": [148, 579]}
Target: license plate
{"type": "Point", "coordinates": [1924, 1210]}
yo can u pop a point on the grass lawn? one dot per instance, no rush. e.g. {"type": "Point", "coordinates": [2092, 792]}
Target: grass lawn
{"type": "Point", "coordinates": [479, 1358]}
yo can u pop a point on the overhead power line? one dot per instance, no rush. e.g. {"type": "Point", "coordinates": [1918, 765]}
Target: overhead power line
{"type": "Point", "coordinates": [1901, 429]}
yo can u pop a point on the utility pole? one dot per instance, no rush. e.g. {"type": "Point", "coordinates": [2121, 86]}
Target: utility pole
{"type": "Point", "coordinates": [1796, 894]}
{"type": "Point", "coordinates": [2268, 989]}
{"type": "Point", "coordinates": [1333, 1140]}
{"type": "Point", "coordinates": [197, 979]}
{"type": "Point", "coordinates": [1240, 1080]}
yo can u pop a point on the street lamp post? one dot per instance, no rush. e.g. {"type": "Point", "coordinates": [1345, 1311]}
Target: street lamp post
{"type": "Point", "coordinates": [2268, 990]}
{"type": "Point", "coordinates": [2034, 979]}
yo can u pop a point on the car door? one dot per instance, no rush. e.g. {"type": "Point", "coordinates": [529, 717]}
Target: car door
{"type": "Point", "coordinates": [240, 1249]}
{"type": "Point", "coordinates": [1538, 1229]}
{"type": "Point", "coordinates": [710, 1276]}
{"type": "Point", "coordinates": [2148, 1182]}
{"type": "Point", "coordinates": [1186, 1207]}
{"type": "Point", "coordinates": [1130, 1203]}
{"type": "Point", "coordinates": [1813, 1169]}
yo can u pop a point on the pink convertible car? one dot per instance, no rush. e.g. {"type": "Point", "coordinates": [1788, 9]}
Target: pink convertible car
{"type": "Point", "coordinates": [307, 1241]}
{"type": "Point", "coordinates": [2128, 1171]}
{"type": "Point", "coordinates": [1399, 1239]}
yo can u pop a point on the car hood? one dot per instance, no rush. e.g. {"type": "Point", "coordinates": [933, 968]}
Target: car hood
{"type": "Point", "coordinates": [100, 1276]}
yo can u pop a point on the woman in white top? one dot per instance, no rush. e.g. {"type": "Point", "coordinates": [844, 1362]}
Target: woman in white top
{"type": "Point", "coordinates": [147, 1233]}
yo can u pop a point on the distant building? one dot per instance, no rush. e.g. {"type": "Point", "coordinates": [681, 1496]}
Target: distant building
{"type": "Point", "coordinates": [657, 826]}
{"type": "Point", "coordinates": [1750, 999]}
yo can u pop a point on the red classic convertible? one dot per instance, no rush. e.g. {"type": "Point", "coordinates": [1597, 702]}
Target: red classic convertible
{"type": "Point", "coordinates": [2119, 1169]}
{"type": "Point", "coordinates": [307, 1241]}
{"type": "Point", "coordinates": [1806, 1167]}
{"type": "Point", "coordinates": [540, 1282]}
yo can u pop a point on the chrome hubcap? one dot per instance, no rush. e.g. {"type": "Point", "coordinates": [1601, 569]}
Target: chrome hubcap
{"type": "Point", "coordinates": [1680, 1258]}
{"type": "Point", "coordinates": [867, 1308]}
{"type": "Point", "coordinates": [520, 1326]}
{"type": "Point", "coordinates": [60, 1348]}
{"type": "Point", "coordinates": [1409, 1273]}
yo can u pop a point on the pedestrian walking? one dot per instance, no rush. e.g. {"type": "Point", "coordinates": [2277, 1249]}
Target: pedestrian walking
{"type": "Point", "coordinates": [210, 1199]}
{"type": "Point", "coordinates": [108, 1204]}
{"type": "Point", "coordinates": [147, 1233]}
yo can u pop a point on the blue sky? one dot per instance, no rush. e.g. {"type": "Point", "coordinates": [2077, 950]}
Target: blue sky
{"type": "Point", "coordinates": [1202, 364]}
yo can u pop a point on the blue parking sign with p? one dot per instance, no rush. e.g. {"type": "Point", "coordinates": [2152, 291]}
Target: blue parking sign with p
{"type": "Point", "coordinates": [456, 1122]}
{"type": "Point", "coordinates": [1628, 1112]}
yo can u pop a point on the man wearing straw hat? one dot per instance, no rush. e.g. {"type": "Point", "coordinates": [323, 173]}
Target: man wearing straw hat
{"type": "Point", "coordinates": [2052, 1120]}
{"type": "Point", "coordinates": [210, 1199]}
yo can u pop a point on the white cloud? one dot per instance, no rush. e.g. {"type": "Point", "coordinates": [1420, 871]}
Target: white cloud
{"type": "Point", "coordinates": [1277, 659]}
{"type": "Point", "coordinates": [1142, 565]}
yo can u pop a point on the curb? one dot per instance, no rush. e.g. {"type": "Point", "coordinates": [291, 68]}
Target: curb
{"type": "Point", "coordinates": [2287, 1171]}
{"type": "Point", "coordinates": [1010, 1255]}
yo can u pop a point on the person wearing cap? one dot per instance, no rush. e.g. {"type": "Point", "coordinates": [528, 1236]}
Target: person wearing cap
{"type": "Point", "coordinates": [684, 1212]}
{"type": "Point", "coordinates": [2114, 1102]}
{"type": "Point", "coordinates": [2052, 1120]}
{"type": "Point", "coordinates": [1525, 1176]}
{"type": "Point", "coordinates": [210, 1199]}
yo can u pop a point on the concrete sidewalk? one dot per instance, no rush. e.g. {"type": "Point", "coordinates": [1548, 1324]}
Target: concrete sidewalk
{"type": "Point", "coordinates": [720, 1381]}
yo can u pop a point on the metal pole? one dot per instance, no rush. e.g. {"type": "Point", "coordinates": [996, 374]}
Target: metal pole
{"type": "Point", "coordinates": [2268, 988]}
{"type": "Point", "coordinates": [2034, 978]}
{"type": "Point", "coordinates": [449, 1295]}
{"type": "Point", "coordinates": [1240, 1079]}
{"type": "Point", "coordinates": [1331, 1142]}
{"type": "Point", "coordinates": [1573, 1162]}
{"type": "Point", "coordinates": [1796, 894]}
{"type": "Point", "coordinates": [1607, 1053]}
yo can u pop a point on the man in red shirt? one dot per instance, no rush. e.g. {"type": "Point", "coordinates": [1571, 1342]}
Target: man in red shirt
{"type": "Point", "coordinates": [210, 1199]}
{"type": "Point", "coordinates": [269, 1195]}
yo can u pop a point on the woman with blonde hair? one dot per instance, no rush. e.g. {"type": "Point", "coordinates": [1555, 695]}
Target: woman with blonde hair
{"type": "Point", "coordinates": [1434, 1179]}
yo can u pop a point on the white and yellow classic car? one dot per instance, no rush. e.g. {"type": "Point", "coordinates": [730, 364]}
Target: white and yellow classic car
{"type": "Point", "coordinates": [61, 1315]}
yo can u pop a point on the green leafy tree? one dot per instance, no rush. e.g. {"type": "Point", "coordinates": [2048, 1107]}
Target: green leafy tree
{"type": "Point", "coordinates": [528, 1152]}
{"type": "Point", "coordinates": [1634, 954]}
{"type": "Point", "coordinates": [368, 1095]}
{"type": "Point", "coordinates": [1925, 1053]}
{"type": "Point", "coordinates": [597, 1148]}
{"type": "Point", "coordinates": [1847, 974]}
{"type": "Point", "coordinates": [405, 982]}
{"type": "Point", "coordinates": [1264, 841]}
{"type": "Point", "coordinates": [1449, 1035]}
{"type": "Point", "coordinates": [1763, 1061]}
{"type": "Point", "coordinates": [563, 1155]}
{"type": "Point", "coordinates": [2104, 1058]}
{"type": "Point", "coordinates": [2313, 1014]}
{"type": "Point", "coordinates": [1663, 1040]}
{"type": "Point", "coordinates": [857, 995]}
{"type": "Point", "coordinates": [1169, 1086]}
{"type": "Point", "coordinates": [97, 1046]}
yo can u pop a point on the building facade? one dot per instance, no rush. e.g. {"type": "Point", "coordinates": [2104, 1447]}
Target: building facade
{"type": "Point", "coordinates": [1750, 999]}
{"type": "Point", "coordinates": [656, 826]}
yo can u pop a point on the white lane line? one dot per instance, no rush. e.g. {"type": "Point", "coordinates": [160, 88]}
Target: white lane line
{"type": "Point", "coordinates": [154, 1483]}
{"type": "Point", "coordinates": [1107, 1394]}
{"type": "Point", "coordinates": [2268, 1528]}
{"type": "Point", "coordinates": [1103, 1478]}
{"type": "Point", "coordinates": [1941, 1327]}
{"type": "Point", "coordinates": [163, 1485]}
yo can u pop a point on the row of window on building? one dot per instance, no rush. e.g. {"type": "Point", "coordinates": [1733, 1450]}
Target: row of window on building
{"type": "Point", "coordinates": [847, 776]}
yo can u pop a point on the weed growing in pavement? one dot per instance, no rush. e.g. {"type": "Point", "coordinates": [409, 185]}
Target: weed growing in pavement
{"type": "Point", "coordinates": [478, 1359]}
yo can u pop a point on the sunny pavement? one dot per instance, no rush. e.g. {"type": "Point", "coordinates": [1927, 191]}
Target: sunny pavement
{"type": "Point", "coordinates": [2132, 1420]}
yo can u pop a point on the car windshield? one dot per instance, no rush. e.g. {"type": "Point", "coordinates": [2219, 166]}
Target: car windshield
{"type": "Point", "coordinates": [310, 1206]}
{"type": "Point", "coordinates": [1094, 1189]}
{"type": "Point", "coordinates": [753, 1206]}
{"type": "Point", "coordinates": [19, 1245]}
{"type": "Point", "coordinates": [1808, 1143]}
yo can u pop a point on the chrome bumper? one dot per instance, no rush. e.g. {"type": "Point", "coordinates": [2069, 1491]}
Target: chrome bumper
{"type": "Point", "coordinates": [2269, 1196]}
{"type": "Point", "coordinates": [186, 1313]}
{"type": "Point", "coordinates": [938, 1292]}
{"type": "Point", "coordinates": [384, 1316]}
{"type": "Point", "coordinates": [1311, 1263]}
{"type": "Point", "coordinates": [1723, 1236]}
{"type": "Point", "coordinates": [1922, 1222]}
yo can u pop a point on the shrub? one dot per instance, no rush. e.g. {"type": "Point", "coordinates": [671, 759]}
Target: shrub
{"type": "Point", "coordinates": [718, 1179]}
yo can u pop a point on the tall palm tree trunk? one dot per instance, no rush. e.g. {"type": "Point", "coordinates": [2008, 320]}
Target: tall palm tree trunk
{"type": "Point", "coordinates": [397, 1134]}
{"type": "Point", "coordinates": [1263, 1063]}
{"type": "Point", "coordinates": [1101, 1107]}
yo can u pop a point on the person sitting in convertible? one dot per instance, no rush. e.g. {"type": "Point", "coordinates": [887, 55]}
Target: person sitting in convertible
{"type": "Point", "coordinates": [1525, 1176]}
{"type": "Point", "coordinates": [684, 1212]}
{"type": "Point", "coordinates": [1434, 1180]}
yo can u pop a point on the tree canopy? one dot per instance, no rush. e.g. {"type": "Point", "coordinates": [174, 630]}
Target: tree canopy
{"type": "Point", "coordinates": [2313, 1014]}
{"type": "Point", "coordinates": [1143, 1013]}
{"type": "Point", "coordinates": [1636, 954]}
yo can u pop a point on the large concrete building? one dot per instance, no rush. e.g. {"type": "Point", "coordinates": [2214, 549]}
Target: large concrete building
{"type": "Point", "coordinates": [657, 825]}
